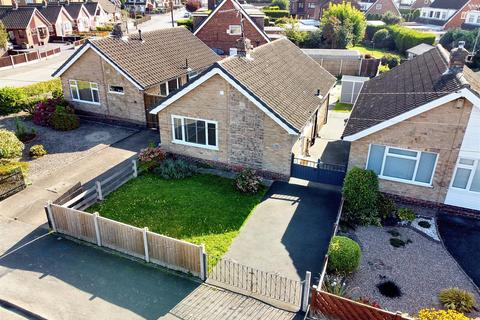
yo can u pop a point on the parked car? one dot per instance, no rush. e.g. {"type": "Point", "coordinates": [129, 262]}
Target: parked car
{"type": "Point", "coordinates": [187, 15]}
{"type": "Point", "coordinates": [9, 45]}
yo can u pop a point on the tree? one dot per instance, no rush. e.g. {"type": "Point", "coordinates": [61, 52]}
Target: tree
{"type": "Point", "coordinates": [293, 33]}
{"type": "Point", "coordinates": [383, 39]}
{"type": "Point", "coordinates": [313, 40]}
{"type": "Point", "coordinates": [281, 4]}
{"type": "Point", "coordinates": [330, 31]}
{"type": "Point", "coordinates": [390, 18]}
{"type": "Point", "coordinates": [352, 24]}
{"type": "Point", "coordinates": [3, 36]}
{"type": "Point", "coordinates": [193, 5]}
{"type": "Point", "coordinates": [450, 39]}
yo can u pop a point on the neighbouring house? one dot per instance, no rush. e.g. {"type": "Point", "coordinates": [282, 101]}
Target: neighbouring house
{"type": "Point", "coordinates": [113, 11]}
{"type": "Point", "coordinates": [381, 7]}
{"type": "Point", "coordinates": [313, 9]}
{"type": "Point", "coordinates": [221, 29]}
{"type": "Point", "coordinates": [418, 50]}
{"type": "Point", "coordinates": [60, 20]}
{"type": "Point", "coordinates": [141, 6]}
{"type": "Point", "coordinates": [449, 14]}
{"type": "Point", "coordinates": [418, 127]}
{"type": "Point", "coordinates": [98, 16]}
{"type": "Point", "coordinates": [110, 77]}
{"type": "Point", "coordinates": [81, 17]}
{"type": "Point", "coordinates": [249, 109]}
{"type": "Point", "coordinates": [26, 26]}
{"type": "Point", "coordinates": [419, 4]}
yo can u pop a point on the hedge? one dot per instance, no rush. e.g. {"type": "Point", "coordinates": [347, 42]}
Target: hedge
{"type": "Point", "coordinates": [186, 22]}
{"type": "Point", "coordinates": [406, 38]}
{"type": "Point", "coordinates": [13, 100]}
{"type": "Point", "coordinates": [277, 13]}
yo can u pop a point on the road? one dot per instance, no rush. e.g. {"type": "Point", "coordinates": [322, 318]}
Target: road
{"type": "Point", "coordinates": [160, 21]}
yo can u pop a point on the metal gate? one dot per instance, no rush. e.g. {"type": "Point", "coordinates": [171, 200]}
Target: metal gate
{"type": "Point", "coordinates": [269, 287]}
{"type": "Point", "coordinates": [318, 171]}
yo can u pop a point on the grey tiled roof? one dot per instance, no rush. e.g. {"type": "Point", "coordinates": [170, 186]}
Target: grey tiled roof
{"type": "Point", "coordinates": [74, 9]}
{"type": "Point", "coordinates": [161, 56]}
{"type": "Point", "coordinates": [108, 6]}
{"type": "Point", "coordinates": [16, 19]}
{"type": "Point", "coordinates": [448, 4]}
{"type": "Point", "coordinates": [406, 87]}
{"type": "Point", "coordinates": [282, 77]}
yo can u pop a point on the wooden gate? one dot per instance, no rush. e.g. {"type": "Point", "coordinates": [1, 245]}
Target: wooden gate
{"type": "Point", "coordinates": [318, 171]}
{"type": "Point", "coordinates": [269, 287]}
{"type": "Point", "coordinates": [151, 102]}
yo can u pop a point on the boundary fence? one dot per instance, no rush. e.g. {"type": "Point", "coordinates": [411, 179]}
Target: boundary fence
{"type": "Point", "coordinates": [11, 183]}
{"type": "Point", "coordinates": [65, 217]}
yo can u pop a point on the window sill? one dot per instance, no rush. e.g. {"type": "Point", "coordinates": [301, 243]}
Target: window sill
{"type": "Point", "coordinates": [87, 102]}
{"type": "Point", "coordinates": [201, 146]}
{"type": "Point", "coordinates": [413, 183]}
{"type": "Point", "coordinates": [118, 93]}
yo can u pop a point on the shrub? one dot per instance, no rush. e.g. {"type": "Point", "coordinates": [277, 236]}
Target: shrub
{"type": "Point", "coordinates": [275, 14]}
{"type": "Point", "coordinates": [457, 299]}
{"type": "Point", "coordinates": [406, 38]}
{"type": "Point", "coordinates": [104, 28]}
{"type": "Point", "coordinates": [389, 289]}
{"type": "Point", "coordinates": [335, 284]}
{"type": "Point", "coordinates": [424, 224]}
{"type": "Point", "coordinates": [64, 119]}
{"type": "Point", "coordinates": [10, 146]}
{"type": "Point", "coordinates": [390, 18]}
{"type": "Point", "coordinates": [382, 39]}
{"type": "Point", "coordinates": [383, 68]}
{"type": "Point", "coordinates": [44, 110]}
{"type": "Point", "coordinates": [10, 100]}
{"type": "Point", "coordinates": [390, 60]}
{"type": "Point", "coordinates": [151, 157]}
{"type": "Point", "coordinates": [37, 151]}
{"type": "Point", "coordinates": [175, 169]}
{"type": "Point", "coordinates": [22, 132]}
{"type": "Point", "coordinates": [7, 166]}
{"type": "Point", "coordinates": [280, 4]}
{"type": "Point", "coordinates": [360, 190]}
{"type": "Point", "coordinates": [247, 181]}
{"type": "Point", "coordinates": [186, 22]}
{"type": "Point", "coordinates": [386, 206]}
{"type": "Point", "coordinates": [343, 255]}
{"type": "Point", "coordinates": [406, 214]}
{"type": "Point", "coordinates": [399, 243]}
{"type": "Point", "coordinates": [432, 314]}
{"type": "Point", "coordinates": [192, 5]}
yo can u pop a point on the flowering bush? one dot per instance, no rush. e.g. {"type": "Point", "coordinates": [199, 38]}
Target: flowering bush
{"type": "Point", "coordinates": [44, 110]}
{"type": "Point", "coordinates": [151, 157]}
{"type": "Point", "coordinates": [247, 181]}
{"type": "Point", "coordinates": [64, 119]}
{"type": "Point", "coordinates": [432, 314]}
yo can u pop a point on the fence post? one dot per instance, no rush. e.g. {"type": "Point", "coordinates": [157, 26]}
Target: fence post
{"type": "Point", "coordinates": [145, 244]}
{"type": "Point", "coordinates": [50, 216]}
{"type": "Point", "coordinates": [98, 185]}
{"type": "Point", "coordinates": [134, 168]}
{"type": "Point", "coordinates": [306, 290]}
{"type": "Point", "coordinates": [26, 57]}
{"type": "Point", "coordinates": [97, 229]}
{"type": "Point", "coordinates": [203, 263]}
{"type": "Point", "coordinates": [13, 62]}
{"type": "Point", "coordinates": [341, 67]}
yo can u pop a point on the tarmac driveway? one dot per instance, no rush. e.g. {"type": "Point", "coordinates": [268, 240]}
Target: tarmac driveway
{"type": "Point", "coordinates": [289, 231]}
{"type": "Point", "coordinates": [461, 236]}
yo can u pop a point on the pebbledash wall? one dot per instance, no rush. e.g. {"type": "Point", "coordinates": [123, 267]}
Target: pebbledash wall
{"type": "Point", "coordinates": [246, 135]}
{"type": "Point", "coordinates": [440, 130]}
{"type": "Point", "coordinates": [128, 106]}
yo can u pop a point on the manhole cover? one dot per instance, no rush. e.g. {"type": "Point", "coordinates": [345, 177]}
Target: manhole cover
{"type": "Point", "coordinates": [98, 136]}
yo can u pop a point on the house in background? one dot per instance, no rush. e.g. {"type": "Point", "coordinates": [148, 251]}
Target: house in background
{"type": "Point", "coordinates": [109, 77]}
{"type": "Point", "coordinates": [61, 21]}
{"type": "Point", "coordinates": [313, 9]}
{"type": "Point", "coordinates": [419, 4]}
{"type": "Point", "coordinates": [112, 11]}
{"type": "Point", "coordinates": [26, 26]}
{"type": "Point", "coordinates": [381, 7]}
{"type": "Point", "coordinates": [448, 14]}
{"type": "Point", "coordinates": [418, 127]}
{"type": "Point", "coordinates": [248, 109]}
{"type": "Point", "coordinates": [98, 16]}
{"type": "Point", "coordinates": [221, 29]}
{"type": "Point", "coordinates": [81, 17]}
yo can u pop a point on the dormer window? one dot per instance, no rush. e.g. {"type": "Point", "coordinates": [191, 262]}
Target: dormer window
{"type": "Point", "coordinates": [234, 30]}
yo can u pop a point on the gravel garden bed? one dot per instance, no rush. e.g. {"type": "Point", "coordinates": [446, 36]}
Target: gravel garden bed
{"type": "Point", "coordinates": [419, 266]}
{"type": "Point", "coordinates": [65, 147]}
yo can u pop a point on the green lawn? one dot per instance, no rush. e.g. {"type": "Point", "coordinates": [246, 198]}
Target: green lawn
{"type": "Point", "coordinates": [342, 107]}
{"type": "Point", "coordinates": [200, 209]}
{"type": "Point", "coordinates": [377, 53]}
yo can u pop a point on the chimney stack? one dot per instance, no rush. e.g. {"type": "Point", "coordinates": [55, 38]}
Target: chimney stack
{"type": "Point", "coordinates": [244, 46]}
{"type": "Point", "coordinates": [117, 31]}
{"type": "Point", "coordinates": [458, 57]}
{"type": "Point", "coordinates": [140, 35]}
{"type": "Point", "coordinates": [14, 5]}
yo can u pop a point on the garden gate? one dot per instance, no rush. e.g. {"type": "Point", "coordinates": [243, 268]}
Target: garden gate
{"type": "Point", "coordinates": [272, 288]}
{"type": "Point", "coordinates": [318, 171]}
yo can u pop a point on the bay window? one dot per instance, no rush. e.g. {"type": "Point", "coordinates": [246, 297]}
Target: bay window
{"type": "Point", "coordinates": [84, 91]}
{"type": "Point", "coordinates": [402, 165]}
{"type": "Point", "coordinates": [467, 175]}
{"type": "Point", "coordinates": [195, 132]}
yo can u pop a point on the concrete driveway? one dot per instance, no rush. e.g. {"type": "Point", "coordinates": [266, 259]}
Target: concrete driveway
{"type": "Point", "coordinates": [289, 232]}
{"type": "Point", "coordinates": [461, 236]}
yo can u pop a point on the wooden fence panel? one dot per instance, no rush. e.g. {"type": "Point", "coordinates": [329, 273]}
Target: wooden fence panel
{"type": "Point", "coordinates": [174, 253]}
{"type": "Point", "coordinates": [74, 223]}
{"type": "Point", "coordinates": [121, 237]}
{"type": "Point", "coordinates": [330, 306]}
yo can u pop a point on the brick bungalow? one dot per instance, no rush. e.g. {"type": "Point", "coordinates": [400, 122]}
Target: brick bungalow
{"type": "Point", "coordinates": [59, 18]}
{"type": "Point", "coordinates": [419, 4]}
{"type": "Point", "coordinates": [81, 17]}
{"type": "Point", "coordinates": [221, 29]}
{"type": "Point", "coordinates": [381, 7]}
{"type": "Point", "coordinates": [109, 77]}
{"type": "Point", "coordinates": [418, 127]}
{"type": "Point", "coordinates": [450, 14]}
{"type": "Point", "coordinates": [98, 16]}
{"type": "Point", "coordinates": [248, 109]}
{"type": "Point", "coordinates": [26, 26]}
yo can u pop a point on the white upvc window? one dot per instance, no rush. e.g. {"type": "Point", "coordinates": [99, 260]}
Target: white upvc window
{"type": "Point", "coordinates": [195, 132]}
{"type": "Point", "coordinates": [402, 165]}
{"type": "Point", "coordinates": [467, 175]}
{"type": "Point", "coordinates": [84, 91]}
{"type": "Point", "coordinates": [234, 29]}
{"type": "Point", "coordinates": [312, 5]}
{"type": "Point", "coordinates": [169, 86]}
{"type": "Point", "coordinates": [115, 89]}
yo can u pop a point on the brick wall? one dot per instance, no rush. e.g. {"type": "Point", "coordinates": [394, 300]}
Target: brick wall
{"type": "Point", "coordinates": [214, 32]}
{"type": "Point", "coordinates": [384, 7]}
{"type": "Point", "coordinates": [460, 17]}
{"type": "Point", "coordinates": [440, 130]}
{"type": "Point", "coordinates": [91, 67]}
{"type": "Point", "coordinates": [246, 135]}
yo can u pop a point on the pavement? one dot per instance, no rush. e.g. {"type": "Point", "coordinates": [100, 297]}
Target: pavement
{"type": "Point", "coordinates": [461, 236]}
{"type": "Point", "coordinates": [26, 74]}
{"type": "Point", "coordinates": [289, 232]}
{"type": "Point", "coordinates": [160, 21]}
